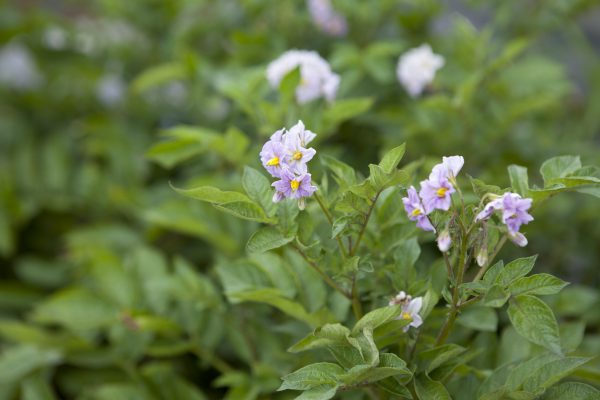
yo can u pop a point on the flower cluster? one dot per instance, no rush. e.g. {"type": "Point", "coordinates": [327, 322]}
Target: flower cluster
{"type": "Point", "coordinates": [435, 194]}
{"type": "Point", "coordinates": [514, 214]}
{"type": "Point", "coordinates": [417, 67]}
{"type": "Point", "coordinates": [317, 79]}
{"type": "Point", "coordinates": [326, 18]}
{"type": "Point", "coordinates": [285, 157]}
{"type": "Point", "coordinates": [410, 309]}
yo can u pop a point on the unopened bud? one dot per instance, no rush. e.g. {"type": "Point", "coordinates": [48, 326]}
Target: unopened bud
{"type": "Point", "coordinates": [444, 241]}
{"type": "Point", "coordinates": [518, 238]}
{"type": "Point", "coordinates": [301, 203]}
{"type": "Point", "coordinates": [482, 256]}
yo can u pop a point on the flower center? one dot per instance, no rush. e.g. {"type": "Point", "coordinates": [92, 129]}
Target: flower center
{"type": "Point", "coordinates": [416, 212]}
{"type": "Point", "coordinates": [294, 184]}
{"type": "Point", "coordinates": [441, 192]}
{"type": "Point", "coordinates": [297, 155]}
{"type": "Point", "coordinates": [406, 315]}
{"type": "Point", "coordinates": [273, 162]}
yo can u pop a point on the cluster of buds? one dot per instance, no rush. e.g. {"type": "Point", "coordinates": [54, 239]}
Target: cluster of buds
{"type": "Point", "coordinates": [285, 157]}
{"type": "Point", "coordinates": [410, 309]}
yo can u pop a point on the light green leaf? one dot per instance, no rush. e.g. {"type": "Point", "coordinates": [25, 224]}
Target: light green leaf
{"type": "Point", "coordinates": [184, 142]}
{"type": "Point", "coordinates": [329, 334]}
{"type": "Point", "coordinates": [534, 320]}
{"type": "Point", "coordinates": [428, 389]}
{"type": "Point", "coordinates": [36, 387]}
{"type": "Point", "coordinates": [288, 84]}
{"type": "Point", "coordinates": [539, 284]}
{"type": "Point", "coordinates": [311, 376]}
{"type": "Point", "coordinates": [392, 158]}
{"type": "Point", "coordinates": [323, 392]}
{"type": "Point", "coordinates": [376, 318]}
{"type": "Point", "coordinates": [518, 179]}
{"type": "Point", "coordinates": [158, 75]}
{"type": "Point", "coordinates": [493, 272]}
{"type": "Point", "coordinates": [572, 391]}
{"type": "Point", "coordinates": [559, 167]}
{"type": "Point", "coordinates": [552, 372]}
{"type": "Point", "coordinates": [267, 238]}
{"type": "Point", "coordinates": [479, 318]}
{"type": "Point", "coordinates": [343, 174]}
{"type": "Point", "coordinates": [343, 110]}
{"type": "Point", "coordinates": [515, 270]}
{"type": "Point", "coordinates": [431, 359]}
{"type": "Point", "coordinates": [259, 189]}
{"type": "Point", "coordinates": [389, 365]}
{"type": "Point", "coordinates": [495, 297]}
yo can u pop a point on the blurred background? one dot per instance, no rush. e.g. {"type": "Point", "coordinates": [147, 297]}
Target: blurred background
{"type": "Point", "coordinates": [95, 100]}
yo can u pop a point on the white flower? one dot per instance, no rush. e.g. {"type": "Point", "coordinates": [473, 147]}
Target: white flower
{"type": "Point", "coordinates": [326, 18]}
{"type": "Point", "coordinates": [316, 78]}
{"type": "Point", "coordinates": [410, 311]}
{"type": "Point", "coordinates": [55, 38]}
{"type": "Point", "coordinates": [110, 90]}
{"type": "Point", "coordinates": [417, 67]}
{"type": "Point", "coordinates": [444, 241]}
{"type": "Point", "coordinates": [17, 68]}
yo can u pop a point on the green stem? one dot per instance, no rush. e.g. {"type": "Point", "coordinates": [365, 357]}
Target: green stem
{"type": "Point", "coordinates": [364, 226]}
{"type": "Point", "coordinates": [214, 360]}
{"type": "Point", "coordinates": [453, 312]}
{"type": "Point", "coordinates": [330, 219]}
{"type": "Point", "coordinates": [325, 277]}
{"type": "Point", "coordinates": [356, 304]}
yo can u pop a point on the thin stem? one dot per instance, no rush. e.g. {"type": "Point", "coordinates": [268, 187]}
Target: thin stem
{"type": "Point", "coordinates": [453, 312]}
{"type": "Point", "coordinates": [448, 266]}
{"type": "Point", "coordinates": [356, 304]}
{"type": "Point", "coordinates": [325, 277]}
{"type": "Point", "coordinates": [364, 226]}
{"type": "Point", "coordinates": [497, 249]}
{"type": "Point", "coordinates": [330, 219]}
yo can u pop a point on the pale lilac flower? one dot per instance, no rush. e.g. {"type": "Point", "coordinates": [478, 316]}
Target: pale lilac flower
{"type": "Point", "coordinates": [514, 211]}
{"type": "Point", "coordinates": [317, 79]}
{"type": "Point", "coordinates": [300, 133]}
{"type": "Point", "coordinates": [436, 191]}
{"type": "Point", "coordinates": [18, 69]}
{"type": "Point", "coordinates": [411, 311]}
{"type": "Point", "coordinates": [297, 156]}
{"type": "Point", "coordinates": [294, 186]}
{"type": "Point", "coordinates": [326, 18]}
{"type": "Point", "coordinates": [482, 256]}
{"type": "Point", "coordinates": [517, 238]}
{"type": "Point", "coordinates": [444, 241]}
{"type": "Point", "coordinates": [417, 67]}
{"type": "Point", "coordinates": [415, 210]}
{"type": "Point", "coordinates": [452, 166]}
{"type": "Point", "coordinates": [273, 154]}
{"type": "Point", "coordinates": [110, 90]}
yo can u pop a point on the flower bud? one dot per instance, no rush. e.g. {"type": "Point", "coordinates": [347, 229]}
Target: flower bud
{"type": "Point", "coordinates": [482, 256]}
{"type": "Point", "coordinates": [444, 241]}
{"type": "Point", "coordinates": [518, 238]}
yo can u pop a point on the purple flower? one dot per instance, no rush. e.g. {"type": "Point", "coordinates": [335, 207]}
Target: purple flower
{"type": "Point", "coordinates": [293, 186]}
{"type": "Point", "coordinates": [416, 212]}
{"type": "Point", "coordinates": [303, 135]}
{"type": "Point", "coordinates": [436, 191]}
{"type": "Point", "coordinates": [514, 211]}
{"type": "Point", "coordinates": [296, 156]}
{"type": "Point", "coordinates": [410, 311]}
{"type": "Point", "coordinates": [273, 154]}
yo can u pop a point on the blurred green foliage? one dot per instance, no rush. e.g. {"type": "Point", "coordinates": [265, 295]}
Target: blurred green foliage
{"type": "Point", "coordinates": [112, 283]}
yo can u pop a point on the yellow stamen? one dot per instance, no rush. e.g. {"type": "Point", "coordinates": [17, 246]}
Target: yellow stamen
{"type": "Point", "coordinates": [294, 184]}
{"type": "Point", "coordinates": [441, 192]}
{"type": "Point", "coordinates": [297, 155]}
{"type": "Point", "coordinates": [273, 162]}
{"type": "Point", "coordinates": [416, 212]}
{"type": "Point", "coordinates": [406, 315]}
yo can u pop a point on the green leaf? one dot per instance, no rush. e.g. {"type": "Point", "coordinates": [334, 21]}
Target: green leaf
{"type": "Point", "coordinates": [559, 167]}
{"type": "Point", "coordinates": [428, 389]}
{"type": "Point", "coordinates": [392, 158]}
{"type": "Point", "coordinates": [16, 362]}
{"type": "Point", "coordinates": [376, 318]}
{"type": "Point", "coordinates": [552, 372]}
{"type": "Point", "coordinates": [571, 391]}
{"type": "Point", "coordinates": [492, 273]}
{"type": "Point", "coordinates": [539, 284]}
{"type": "Point", "coordinates": [184, 142]}
{"type": "Point", "coordinates": [495, 297]}
{"type": "Point", "coordinates": [259, 189]}
{"type": "Point", "coordinates": [518, 179]}
{"type": "Point", "coordinates": [342, 110]}
{"type": "Point", "coordinates": [534, 320]}
{"type": "Point", "coordinates": [389, 365]}
{"type": "Point", "coordinates": [267, 238]}
{"type": "Point", "coordinates": [233, 203]}
{"type": "Point", "coordinates": [431, 359]}
{"type": "Point", "coordinates": [479, 318]}
{"type": "Point", "coordinates": [289, 83]}
{"type": "Point", "coordinates": [343, 174]}
{"type": "Point", "coordinates": [311, 376]}
{"type": "Point", "coordinates": [36, 387]}
{"type": "Point", "coordinates": [323, 392]}
{"type": "Point", "coordinates": [515, 270]}
{"type": "Point", "coordinates": [327, 335]}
